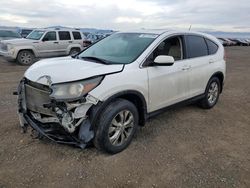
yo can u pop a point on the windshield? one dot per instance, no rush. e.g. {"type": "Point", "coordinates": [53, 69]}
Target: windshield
{"type": "Point", "coordinates": [120, 48]}
{"type": "Point", "coordinates": [5, 33]}
{"type": "Point", "coordinates": [35, 35]}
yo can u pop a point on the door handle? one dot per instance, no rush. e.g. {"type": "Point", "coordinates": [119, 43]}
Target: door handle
{"type": "Point", "coordinates": [211, 61]}
{"type": "Point", "coordinates": [70, 41]}
{"type": "Point", "coordinates": [184, 68]}
{"type": "Point", "coordinates": [56, 42]}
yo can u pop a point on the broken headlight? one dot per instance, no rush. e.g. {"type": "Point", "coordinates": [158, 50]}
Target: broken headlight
{"type": "Point", "coordinates": [74, 90]}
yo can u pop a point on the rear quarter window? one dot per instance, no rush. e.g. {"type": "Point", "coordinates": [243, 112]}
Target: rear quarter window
{"type": "Point", "coordinates": [64, 35]}
{"type": "Point", "coordinates": [76, 35]}
{"type": "Point", "coordinates": [212, 47]}
{"type": "Point", "coordinates": [196, 46]}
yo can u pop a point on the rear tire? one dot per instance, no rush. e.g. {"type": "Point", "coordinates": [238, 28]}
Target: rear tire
{"type": "Point", "coordinates": [116, 126]}
{"type": "Point", "coordinates": [25, 57]}
{"type": "Point", "coordinates": [212, 93]}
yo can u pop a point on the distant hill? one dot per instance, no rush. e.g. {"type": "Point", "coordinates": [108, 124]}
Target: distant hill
{"type": "Point", "coordinates": [103, 31]}
{"type": "Point", "coordinates": [87, 30]}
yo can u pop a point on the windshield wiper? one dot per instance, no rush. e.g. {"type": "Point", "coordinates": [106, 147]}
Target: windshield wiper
{"type": "Point", "coordinates": [103, 61]}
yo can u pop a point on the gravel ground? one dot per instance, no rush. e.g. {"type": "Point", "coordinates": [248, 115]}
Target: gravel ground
{"type": "Point", "coordinates": [184, 147]}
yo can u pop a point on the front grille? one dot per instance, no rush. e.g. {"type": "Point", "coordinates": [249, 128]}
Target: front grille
{"type": "Point", "coordinates": [36, 98]}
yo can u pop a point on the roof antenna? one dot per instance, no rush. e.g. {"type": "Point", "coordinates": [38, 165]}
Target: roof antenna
{"type": "Point", "coordinates": [190, 27]}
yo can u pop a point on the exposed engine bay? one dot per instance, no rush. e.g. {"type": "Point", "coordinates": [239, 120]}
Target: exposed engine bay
{"type": "Point", "coordinates": [69, 115]}
{"type": "Point", "coordinates": [35, 102]}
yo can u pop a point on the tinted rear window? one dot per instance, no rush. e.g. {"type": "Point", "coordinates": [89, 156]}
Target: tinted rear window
{"type": "Point", "coordinates": [77, 35]}
{"type": "Point", "coordinates": [196, 46]}
{"type": "Point", "coordinates": [212, 47]}
{"type": "Point", "coordinates": [64, 35]}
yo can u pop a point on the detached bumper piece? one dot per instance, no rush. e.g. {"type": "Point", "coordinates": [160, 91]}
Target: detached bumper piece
{"type": "Point", "coordinates": [59, 135]}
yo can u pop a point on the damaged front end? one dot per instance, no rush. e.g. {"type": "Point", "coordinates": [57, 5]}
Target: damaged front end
{"type": "Point", "coordinates": [58, 112]}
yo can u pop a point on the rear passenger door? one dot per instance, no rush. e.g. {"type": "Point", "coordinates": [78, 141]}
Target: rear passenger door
{"type": "Point", "coordinates": [64, 41]}
{"type": "Point", "coordinates": [199, 64]}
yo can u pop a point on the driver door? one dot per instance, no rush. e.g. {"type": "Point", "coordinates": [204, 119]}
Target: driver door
{"type": "Point", "coordinates": [168, 84]}
{"type": "Point", "coordinates": [48, 46]}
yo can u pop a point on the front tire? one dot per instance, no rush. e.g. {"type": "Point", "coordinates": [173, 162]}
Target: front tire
{"type": "Point", "coordinates": [212, 93]}
{"type": "Point", "coordinates": [116, 126]}
{"type": "Point", "coordinates": [25, 57]}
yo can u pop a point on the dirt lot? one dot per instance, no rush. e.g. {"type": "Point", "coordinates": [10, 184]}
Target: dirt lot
{"type": "Point", "coordinates": [184, 147]}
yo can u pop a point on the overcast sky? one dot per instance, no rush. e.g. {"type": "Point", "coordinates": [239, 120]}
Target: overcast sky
{"type": "Point", "coordinates": [223, 15]}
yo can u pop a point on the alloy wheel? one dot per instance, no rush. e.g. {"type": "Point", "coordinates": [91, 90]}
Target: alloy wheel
{"type": "Point", "coordinates": [26, 58]}
{"type": "Point", "coordinates": [121, 128]}
{"type": "Point", "coordinates": [213, 92]}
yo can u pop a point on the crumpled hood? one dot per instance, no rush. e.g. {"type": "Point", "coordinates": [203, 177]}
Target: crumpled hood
{"type": "Point", "coordinates": [19, 41]}
{"type": "Point", "coordinates": [67, 69]}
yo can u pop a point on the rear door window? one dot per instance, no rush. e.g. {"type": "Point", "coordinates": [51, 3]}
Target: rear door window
{"type": "Point", "coordinates": [212, 47]}
{"type": "Point", "coordinates": [77, 35]}
{"type": "Point", "coordinates": [196, 46]}
{"type": "Point", "coordinates": [64, 35]}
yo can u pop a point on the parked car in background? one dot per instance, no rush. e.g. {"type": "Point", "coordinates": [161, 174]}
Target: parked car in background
{"type": "Point", "coordinates": [247, 41]}
{"type": "Point", "coordinates": [244, 42]}
{"type": "Point", "coordinates": [93, 38]}
{"type": "Point", "coordinates": [222, 42]}
{"type": "Point", "coordinates": [9, 34]}
{"type": "Point", "coordinates": [25, 32]}
{"type": "Point", "coordinates": [231, 43]}
{"type": "Point", "coordinates": [240, 42]}
{"type": "Point", "coordinates": [228, 42]}
{"type": "Point", "coordinates": [42, 43]}
{"type": "Point", "coordinates": [85, 34]}
{"type": "Point", "coordinates": [104, 93]}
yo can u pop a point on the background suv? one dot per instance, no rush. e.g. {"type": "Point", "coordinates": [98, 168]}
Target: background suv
{"type": "Point", "coordinates": [42, 43]}
{"type": "Point", "coordinates": [104, 93]}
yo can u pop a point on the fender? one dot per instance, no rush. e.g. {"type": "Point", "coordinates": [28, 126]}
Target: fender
{"type": "Point", "coordinates": [18, 49]}
{"type": "Point", "coordinates": [141, 105]}
{"type": "Point", "coordinates": [221, 77]}
{"type": "Point", "coordinates": [74, 46]}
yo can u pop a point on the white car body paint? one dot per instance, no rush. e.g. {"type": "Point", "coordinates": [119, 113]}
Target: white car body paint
{"type": "Point", "coordinates": [67, 69]}
{"type": "Point", "coordinates": [161, 86]}
{"type": "Point", "coordinates": [82, 98]}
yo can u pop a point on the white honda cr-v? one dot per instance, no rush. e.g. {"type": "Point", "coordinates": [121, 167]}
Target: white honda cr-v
{"type": "Point", "coordinates": [105, 92]}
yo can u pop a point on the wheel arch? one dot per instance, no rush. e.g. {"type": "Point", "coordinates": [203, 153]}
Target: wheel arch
{"type": "Point", "coordinates": [73, 46]}
{"type": "Point", "coordinates": [133, 96]}
{"type": "Point", "coordinates": [220, 76]}
{"type": "Point", "coordinates": [26, 49]}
